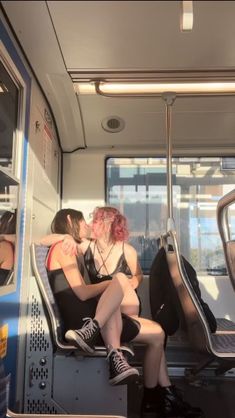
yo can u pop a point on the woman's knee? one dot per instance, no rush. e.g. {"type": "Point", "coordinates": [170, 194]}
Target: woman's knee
{"type": "Point", "coordinates": [158, 336]}
{"type": "Point", "coordinates": [122, 280]}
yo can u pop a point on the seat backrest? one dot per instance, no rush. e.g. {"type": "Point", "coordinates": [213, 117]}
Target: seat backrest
{"type": "Point", "coordinates": [223, 226]}
{"type": "Point", "coordinates": [197, 327]}
{"type": "Point", "coordinates": [38, 257]}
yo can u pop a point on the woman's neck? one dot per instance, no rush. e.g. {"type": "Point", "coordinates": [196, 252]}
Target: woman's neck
{"type": "Point", "coordinates": [104, 243]}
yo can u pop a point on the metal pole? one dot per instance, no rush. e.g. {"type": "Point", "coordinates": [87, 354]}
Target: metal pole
{"type": "Point", "coordinates": [169, 98]}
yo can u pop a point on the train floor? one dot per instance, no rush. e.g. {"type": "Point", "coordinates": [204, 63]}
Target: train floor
{"type": "Point", "coordinates": [214, 395]}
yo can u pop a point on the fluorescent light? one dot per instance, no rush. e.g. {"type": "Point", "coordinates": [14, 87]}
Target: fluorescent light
{"type": "Point", "coordinates": [186, 21]}
{"type": "Point", "coordinates": [154, 88]}
{"type": "Point", "coordinates": [84, 88]}
{"type": "Point", "coordinates": [159, 88]}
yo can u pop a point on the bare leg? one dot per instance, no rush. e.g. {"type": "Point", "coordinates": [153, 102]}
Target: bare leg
{"type": "Point", "coordinates": [163, 379]}
{"type": "Point", "coordinates": [111, 298]}
{"type": "Point", "coordinates": [111, 331]}
{"type": "Point", "coordinates": [130, 304]}
{"type": "Point", "coordinates": [152, 335]}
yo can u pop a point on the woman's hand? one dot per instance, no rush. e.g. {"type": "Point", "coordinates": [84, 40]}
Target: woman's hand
{"type": "Point", "coordinates": [69, 246]}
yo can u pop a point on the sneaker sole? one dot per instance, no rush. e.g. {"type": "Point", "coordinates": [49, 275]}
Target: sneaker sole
{"type": "Point", "coordinates": [73, 337]}
{"type": "Point", "coordinates": [124, 378]}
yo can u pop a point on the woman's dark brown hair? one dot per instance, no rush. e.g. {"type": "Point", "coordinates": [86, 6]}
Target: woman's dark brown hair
{"type": "Point", "coordinates": [8, 223]}
{"type": "Point", "coordinates": [61, 225]}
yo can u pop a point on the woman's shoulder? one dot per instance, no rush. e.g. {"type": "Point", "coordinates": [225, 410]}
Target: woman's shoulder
{"type": "Point", "coordinates": [6, 245]}
{"type": "Point", "coordinates": [128, 249]}
{"type": "Point", "coordinates": [56, 249]}
{"type": "Point", "coordinates": [85, 244]}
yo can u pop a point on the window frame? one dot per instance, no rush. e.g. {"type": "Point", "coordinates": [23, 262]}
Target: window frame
{"type": "Point", "coordinates": [15, 173]}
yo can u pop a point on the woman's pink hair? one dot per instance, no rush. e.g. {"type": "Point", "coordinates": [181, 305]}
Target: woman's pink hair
{"type": "Point", "coordinates": [119, 230]}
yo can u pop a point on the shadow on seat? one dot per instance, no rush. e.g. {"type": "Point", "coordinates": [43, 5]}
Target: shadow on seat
{"type": "Point", "coordinates": [219, 346]}
{"type": "Point", "coordinates": [38, 258]}
{"type": "Point", "coordinates": [223, 226]}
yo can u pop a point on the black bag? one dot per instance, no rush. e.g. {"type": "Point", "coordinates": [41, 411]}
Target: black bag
{"type": "Point", "coordinates": [164, 302]}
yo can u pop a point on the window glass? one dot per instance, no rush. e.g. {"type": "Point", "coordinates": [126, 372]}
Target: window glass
{"type": "Point", "coordinates": [138, 188]}
{"type": "Point", "coordinates": [8, 215]}
{"type": "Point", "coordinates": [8, 117]}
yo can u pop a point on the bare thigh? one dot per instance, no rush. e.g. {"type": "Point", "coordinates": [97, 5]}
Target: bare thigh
{"type": "Point", "coordinates": [130, 303]}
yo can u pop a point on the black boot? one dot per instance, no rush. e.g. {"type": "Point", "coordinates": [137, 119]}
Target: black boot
{"type": "Point", "coordinates": [173, 405]}
{"type": "Point", "coordinates": [151, 406]}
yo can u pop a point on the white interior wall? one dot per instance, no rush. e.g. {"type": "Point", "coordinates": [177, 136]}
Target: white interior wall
{"type": "Point", "coordinates": [44, 166]}
{"type": "Point", "coordinates": [83, 181]}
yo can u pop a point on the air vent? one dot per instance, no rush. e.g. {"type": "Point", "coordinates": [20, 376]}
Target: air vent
{"type": "Point", "coordinates": [113, 124]}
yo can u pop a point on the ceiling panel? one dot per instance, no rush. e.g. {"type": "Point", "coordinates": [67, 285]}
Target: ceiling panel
{"type": "Point", "coordinates": [144, 34]}
{"type": "Point", "coordinates": [195, 121]}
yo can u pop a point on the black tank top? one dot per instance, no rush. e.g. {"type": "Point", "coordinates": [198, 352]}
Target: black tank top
{"type": "Point", "coordinates": [95, 276]}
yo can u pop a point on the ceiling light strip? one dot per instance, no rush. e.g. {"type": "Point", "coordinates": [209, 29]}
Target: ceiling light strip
{"type": "Point", "coordinates": [148, 89]}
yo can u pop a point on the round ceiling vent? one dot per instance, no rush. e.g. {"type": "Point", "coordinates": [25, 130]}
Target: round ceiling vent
{"type": "Point", "coordinates": [113, 124]}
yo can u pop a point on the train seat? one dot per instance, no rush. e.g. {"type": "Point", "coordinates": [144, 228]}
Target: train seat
{"type": "Point", "coordinates": [38, 257]}
{"type": "Point", "coordinates": [223, 226]}
{"type": "Point", "coordinates": [219, 346]}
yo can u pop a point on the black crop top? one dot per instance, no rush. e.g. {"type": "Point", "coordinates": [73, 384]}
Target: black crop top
{"type": "Point", "coordinates": [95, 276]}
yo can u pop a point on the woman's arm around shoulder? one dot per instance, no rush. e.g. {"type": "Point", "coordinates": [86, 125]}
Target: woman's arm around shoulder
{"type": "Point", "coordinates": [134, 266]}
{"type": "Point", "coordinates": [69, 245]}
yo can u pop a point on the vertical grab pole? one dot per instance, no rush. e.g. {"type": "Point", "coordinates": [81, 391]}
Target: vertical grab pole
{"type": "Point", "coordinates": [169, 98]}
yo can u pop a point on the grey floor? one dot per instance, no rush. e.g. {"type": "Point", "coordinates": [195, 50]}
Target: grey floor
{"type": "Point", "coordinates": [215, 396]}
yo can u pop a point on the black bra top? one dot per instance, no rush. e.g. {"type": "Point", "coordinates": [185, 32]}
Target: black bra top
{"type": "Point", "coordinates": [95, 276]}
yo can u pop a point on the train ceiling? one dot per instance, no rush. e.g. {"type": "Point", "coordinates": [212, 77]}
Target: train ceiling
{"type": "Point", "coordinates": [80, 40]}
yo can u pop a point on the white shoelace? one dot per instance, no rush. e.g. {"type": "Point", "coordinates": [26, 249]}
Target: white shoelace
{"type": "Point", "coordinates": [119, 361]}
{"type": "Point", "coordinates": [88, 328]}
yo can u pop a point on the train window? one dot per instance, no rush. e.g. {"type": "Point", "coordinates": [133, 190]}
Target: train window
{"type": "Point", "coordinates": [8, 117]}
{"type": "Point", "coordinates": [8, 214]}
{"type": "Point", "coordinates": [137, 186]}
{"type": "Point", "coordinates": [12, 104]}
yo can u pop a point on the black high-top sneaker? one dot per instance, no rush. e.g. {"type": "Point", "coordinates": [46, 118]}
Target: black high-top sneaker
{"type": "Point", "coordinates": [120, 372]}
{"type": "Point", "coordinates": [173, 404]}
{"type": "Point", "coordinates": [86, 336]}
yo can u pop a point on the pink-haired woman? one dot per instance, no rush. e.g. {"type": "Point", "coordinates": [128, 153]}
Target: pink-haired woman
{"type": "Point", "coordinates": [109, 253]}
